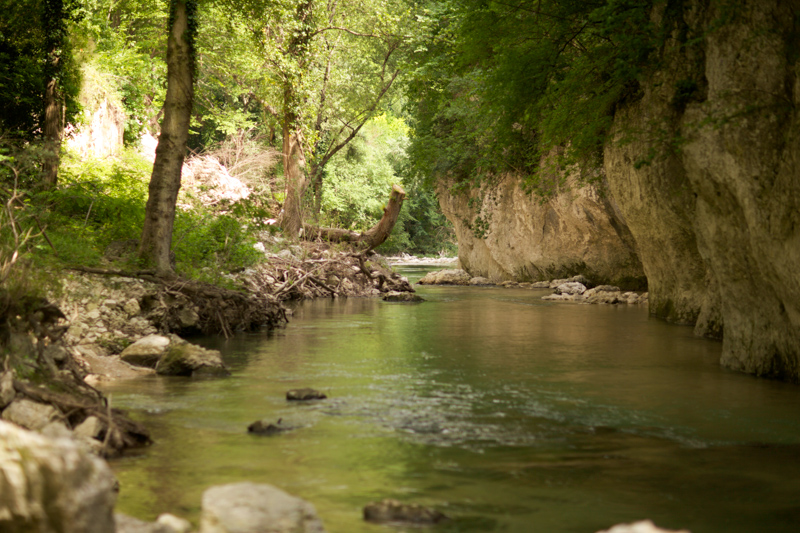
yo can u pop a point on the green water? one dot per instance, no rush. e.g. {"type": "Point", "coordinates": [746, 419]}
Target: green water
{"type": "Point", "coordinates": [508, 413]}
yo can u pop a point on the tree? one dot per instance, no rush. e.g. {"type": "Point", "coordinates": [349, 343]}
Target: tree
{"type": "Point", "coordinates": [335, 63]}
{"type": "Point", "coordinates": [165, 182]}
{"type": "Point", "coordinates": [39, 80]}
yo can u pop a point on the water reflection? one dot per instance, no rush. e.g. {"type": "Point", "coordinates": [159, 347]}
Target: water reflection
{"type": "Point", "coordinates": [509, 413]}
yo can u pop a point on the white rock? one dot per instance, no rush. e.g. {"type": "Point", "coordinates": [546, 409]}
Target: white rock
{"type": "Point", "coordinates": [89, 428]}
{"type": "Point", "coordinates": [29, 414]}
{"type": "Point", "coordinates": [643, 526]}
{"type": "Point", "coordinates": [52, 485]}
{"type": "Point", "coordinates": [252, 508]}
{"type": "Point", "coordinates": [146, 351]}
{"type": "Point", "coordinates": [571, 288]}
{"type": "Point", "coordinates": [174, 523]}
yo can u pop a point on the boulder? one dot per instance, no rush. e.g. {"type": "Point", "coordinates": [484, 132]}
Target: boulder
{"type": "Point", "coordinates": [397, 296]}
{"type": "Point", "coordinates": [540, 285]}
{"type": "Point", "coordinates": [146, 351]}
{"type": "Point", "coordinates": [52, 485]}
{"type": "Point", "coordinates": [30, 415]}
{"type": "Point", "coordinates": [393, 511]}
{"type": "Point", "coordinates": [305, 394]}
{"type": "Point", "coordinates": [643, 526]}
{"type": "Point", "coordinates": [479, 280]}
{"type": "Point", "coordinates": [571, 287]}
{"type": "Point", "coordinates": [448, 276]}
{"type": "Point", "coordinates": [185, 359]}
{"type": "Point", "coordinates": [252, 508]}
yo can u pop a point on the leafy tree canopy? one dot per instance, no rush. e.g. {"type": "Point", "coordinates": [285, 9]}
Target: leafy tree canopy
{"type": "Point", "coordinates": [498, 84]}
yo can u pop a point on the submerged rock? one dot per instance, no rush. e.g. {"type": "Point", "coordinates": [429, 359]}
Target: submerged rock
{"type": "Point", "coordinates": [52, 485]}
{"type": "Point", "coordinates": [305, 394]}
{"type": "Point", "coordinates": [396, 296]}
{"type": "Point", "coordinates": [262, 427]}
{"type": "Point", "coordinates": [393, 511]}
{"type": "Point", "coordinates": [252, 508]}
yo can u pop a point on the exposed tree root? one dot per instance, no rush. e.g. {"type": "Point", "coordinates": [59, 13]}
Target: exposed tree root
{"type": "Point", "coordinates": [119, 432]}
{"type": "Point", "coordinates": [219, 311]}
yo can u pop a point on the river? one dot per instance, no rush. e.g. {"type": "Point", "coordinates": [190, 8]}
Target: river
{"type": "Point", "coordinates": [508, 413]}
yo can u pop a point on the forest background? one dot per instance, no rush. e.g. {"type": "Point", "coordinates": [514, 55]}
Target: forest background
{"type": "Point", "coordinates": [363, 94]}
{"type": "Point", "coordinates": [332, 74]}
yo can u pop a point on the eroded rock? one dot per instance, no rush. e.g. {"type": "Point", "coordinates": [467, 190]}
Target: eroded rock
{"type": "Point", "coordinates": [52, 485]}
{"type": "Point", "coordinates": [146, 351]}
{"type": "Point", "coordinates": [185, 359]}
{"type": "Point", "coordinates": [254, 508]}
{"type": "Point", "coordinates": [30, 415]}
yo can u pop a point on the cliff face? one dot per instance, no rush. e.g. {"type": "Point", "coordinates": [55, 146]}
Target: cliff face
{"type": "Point", "coordinates": [717, 222]}
{"type": "Point", "coordinates": [577, 231]}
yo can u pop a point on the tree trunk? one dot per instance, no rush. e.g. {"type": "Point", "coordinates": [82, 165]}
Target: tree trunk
{"type": "Point", "coordinates": [165, 181]}
{"type": "Point", "coordinates": [293, 157]}
{"type": "Point", "coordinates": [373, 237]}
{"type": "Point", "coordinates": [296, 182]}
{"type": "Point", "coordinates": [52, 126]}
{"type": "Point", "coordinates": [53, 129]}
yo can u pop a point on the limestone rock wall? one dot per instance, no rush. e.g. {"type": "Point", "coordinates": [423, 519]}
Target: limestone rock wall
{"type": "Point", "coordinates": [102, 134]}
{"type": "Point", "coordinates": [577, 231]}
{"type": "Point", "coordinates": [717, 223]}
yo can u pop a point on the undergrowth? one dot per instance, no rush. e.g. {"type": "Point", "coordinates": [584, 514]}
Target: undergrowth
{"type": "Point", "coordinates": [101, 201]}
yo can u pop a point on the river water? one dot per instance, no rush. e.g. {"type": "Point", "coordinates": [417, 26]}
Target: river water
{"type": "Point", "coordinates": [506, 412]}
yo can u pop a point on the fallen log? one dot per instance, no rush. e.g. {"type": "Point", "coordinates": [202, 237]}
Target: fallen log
{"type": "Point", "coordinates": [373, 237]}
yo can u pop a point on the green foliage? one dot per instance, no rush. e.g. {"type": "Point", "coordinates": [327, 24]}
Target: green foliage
{"type": "Point", "coordinates": [359, 178]}
{"type": "Point", "coordinates": [207, 246]}
{"type": "Point", "coordinates": [28, 29]}
{"type": "Point", "coordinates": [500, 85]}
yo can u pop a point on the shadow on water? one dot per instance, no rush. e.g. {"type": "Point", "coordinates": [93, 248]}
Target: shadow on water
{"type": "Point", "coordinates": [506, 412]}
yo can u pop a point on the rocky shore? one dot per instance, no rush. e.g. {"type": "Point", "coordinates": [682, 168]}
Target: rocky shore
{"type": "Point", "coordinates": [575, 289]}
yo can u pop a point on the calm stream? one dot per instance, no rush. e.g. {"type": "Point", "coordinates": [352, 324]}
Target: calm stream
{"type": "Point", "coordinates": [506, 412]}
